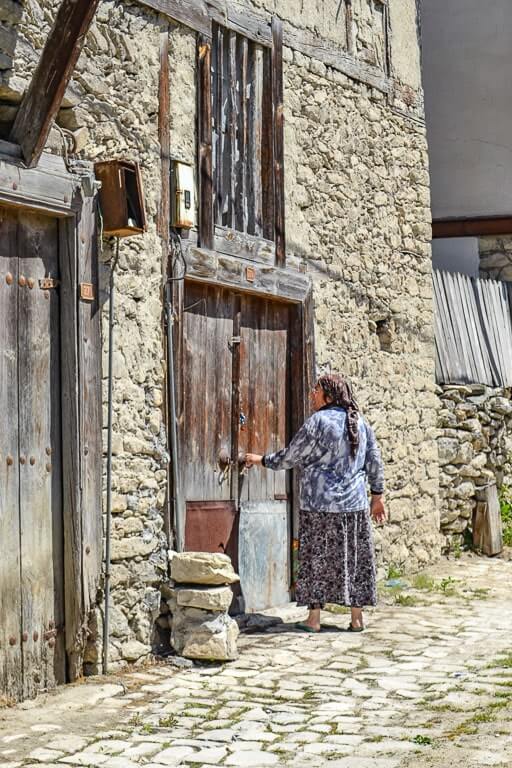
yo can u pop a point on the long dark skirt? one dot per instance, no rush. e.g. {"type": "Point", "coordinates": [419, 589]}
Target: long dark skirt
{"type": "Point", "coordinates": [336, 559]}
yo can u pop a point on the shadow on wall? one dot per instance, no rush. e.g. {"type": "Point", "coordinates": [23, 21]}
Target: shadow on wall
{"type": "Point", "coordinates": [11, 85]}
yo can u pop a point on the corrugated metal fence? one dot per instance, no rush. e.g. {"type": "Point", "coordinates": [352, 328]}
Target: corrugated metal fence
{"type": "Point", "coordinates": [473, 330]}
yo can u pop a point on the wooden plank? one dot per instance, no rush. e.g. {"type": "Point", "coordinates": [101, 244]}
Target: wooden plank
{"type": "Point", "coordinates": [319, 48]}
{"type": "Point", "coordinates": [40, 457]}
{"type": "Point", "coordinates": [232, 127]}
{"type": "Point", "coordinates": [251, 25]}
{"type": "Point", "coordinates": [237, 446]}
{"type": "Point", "coordinates": [46, 90]}
{"type": "Point", "coordinates": [230, 272]}
{"type": "Point", "coordinates": [241, 160]}
{"type": "Point", "coordinates": [195, 14]}
{"type": "Point", "coordinates": [49, 187]}
{"type": "Point", "coordinates": [11, 666]}
{"type": "Point", "coordinates": [73, 598]}
{"type": "Point", "coordinates": [205, 144]}
{"type": "Point", "coordinates": [218, 123]}
{"type": "Point", "coordinates": [244, 246]}
{"type": "Point", "coordinates": [486, 325]}
{"type": "Point", "coordinates": [90, 399]}
{"type": "Point", "coordinates": [278, 107]}
{"type": "Point", "coordinates": [487, 526]}
{"type": "Point", "coordinates": [227, 147]}
{"type": "Point", "coordinates": [267, 150]}
{"type": "Point", "coordinates": [255, 199]}
{"type": "Point", "coordinates": [472, 227]}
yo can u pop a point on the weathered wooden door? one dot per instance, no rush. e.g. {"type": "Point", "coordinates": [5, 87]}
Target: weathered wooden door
{"type": "Point", "coordinates": [32, 654]}
{"type": "Point", "coordinates": [236, 398]}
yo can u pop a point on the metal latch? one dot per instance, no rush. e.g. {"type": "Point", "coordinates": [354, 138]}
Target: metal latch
{"type": "Point", "coordinates": [47, 283]}
{"type": "Point", "coordinates": [233, 340]}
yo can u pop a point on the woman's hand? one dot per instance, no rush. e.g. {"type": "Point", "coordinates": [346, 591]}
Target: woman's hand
{"type": "Point", "coordinates": [252, 459]}
{"type": "Point", "coordinates": [377, 509]}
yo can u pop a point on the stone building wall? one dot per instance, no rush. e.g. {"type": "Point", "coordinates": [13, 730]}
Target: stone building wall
{"type": "Point", "coordinates": [357, 190]}
{"type": "Point", "coordinates": [496, 257]}
{"type": "Point", "coordinates": [357, 193]}
{"type": "Point", "coordinates": [475, 449]}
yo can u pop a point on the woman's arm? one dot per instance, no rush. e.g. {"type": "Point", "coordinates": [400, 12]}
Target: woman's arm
{"type": "Point", "coordinates": [374, 468]}
{"type": "Point", "coordinates": [301, 449]}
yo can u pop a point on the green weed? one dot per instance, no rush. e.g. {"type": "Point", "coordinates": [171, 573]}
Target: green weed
{"type": "Point", "coordinates": [505, 498]}
{"type": "Point", "coordinates": [405, 600]}
{"type": "Point", "coordinates": [423, 582]}
{"type": "Point", "coordinates": [423, 740]}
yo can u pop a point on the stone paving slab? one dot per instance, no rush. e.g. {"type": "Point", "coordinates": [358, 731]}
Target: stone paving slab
{"type": "Point", "coordinates": [429, 684]}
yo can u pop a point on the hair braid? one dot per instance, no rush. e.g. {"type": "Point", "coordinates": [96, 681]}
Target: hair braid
{"type": "Point", "coordinates": [339, 392]}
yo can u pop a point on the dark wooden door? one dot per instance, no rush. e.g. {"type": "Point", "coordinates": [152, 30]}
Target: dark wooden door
{"type": "Point", "coordinates": [32, 655]}
{"type": "Point", "coordinates": [236, 398]}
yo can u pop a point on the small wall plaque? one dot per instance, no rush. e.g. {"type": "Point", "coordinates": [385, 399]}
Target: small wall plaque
{"type": "Point", "coordinates": [250, 274]}
{"type": "Point", "coordinates": [87, 291]}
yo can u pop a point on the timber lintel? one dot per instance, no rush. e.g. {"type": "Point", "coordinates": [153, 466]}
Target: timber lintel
{"type": "Point", "coordinates": [472, 227]}
{"type": "Point", "coordinates": [250, 277]}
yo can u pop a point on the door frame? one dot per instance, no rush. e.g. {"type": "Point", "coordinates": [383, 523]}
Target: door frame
{"type": "Point", "coordinates": [286, 285]}
{"type": "Point", "coordinates": [52, 189]}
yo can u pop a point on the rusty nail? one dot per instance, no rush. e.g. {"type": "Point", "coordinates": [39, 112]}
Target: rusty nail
{"type": "Point", "coordinates": [46, 295]}
{"type": "Point", "coordinates": [51, 642]}
{"type": "Point", "coordinates": [32, 460]}
{"type": "Point", "coordinates": [48, 467]}
{"type": "Point", "coordinates": [22, 281]}
{"type": "Point", "coordinates": [9, 278]}
{"type": "Point", "coordinates": [30, 282]}
{"type": "Point", "coordinates": [24, 637]}
{"type": "Point", "coordinates": [14, 185]}
{"type": "Point", "coordinates": [87, 550]}
{"type": "Point", "coordinates": [10, 461]}
{"type": "Point", "coordinates": [35, 637]}
{"type": "Point", "coordinates": [22, 459]}
{"type": "Point", "coordinates": [12, 640]}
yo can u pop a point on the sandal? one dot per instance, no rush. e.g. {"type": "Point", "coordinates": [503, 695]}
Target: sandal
{"type": "Point", "coordinates": [303, 627]}
{"type": "Point", "coordinates": [350, 628]}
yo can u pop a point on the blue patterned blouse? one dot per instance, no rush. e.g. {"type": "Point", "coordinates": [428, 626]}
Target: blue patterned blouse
{"type": "Point", "coordinates": [331, 480]}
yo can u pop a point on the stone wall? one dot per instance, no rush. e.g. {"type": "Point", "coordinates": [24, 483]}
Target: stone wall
{"type": "Point", "coordinates": [475, 449]}
{"type": "Point", "coordinates": [496, 257]}
{"type": "Point", "coordinates": [357, 192]}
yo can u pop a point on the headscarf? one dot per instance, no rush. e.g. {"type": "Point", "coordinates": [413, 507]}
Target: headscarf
{"type": "Point", "coordinates": [339, 392]}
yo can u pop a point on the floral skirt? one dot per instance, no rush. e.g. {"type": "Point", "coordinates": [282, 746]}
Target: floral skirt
{"type": "Point", "coordinates": [336, 559]}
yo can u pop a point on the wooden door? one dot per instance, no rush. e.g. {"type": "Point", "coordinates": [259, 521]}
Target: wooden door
{"type": "Point", "coordinates": [236, 398]}
{"type": "Point", "coordinates": [32, 655]}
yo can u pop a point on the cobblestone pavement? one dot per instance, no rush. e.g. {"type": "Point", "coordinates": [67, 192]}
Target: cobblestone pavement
{"type": "Point", "coordinates": [428, 684]}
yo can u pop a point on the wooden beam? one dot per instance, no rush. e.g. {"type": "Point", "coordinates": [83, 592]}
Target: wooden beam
{"type": "Point", "coordinates": [246, 276]}
{"type": "Point", "coordinates": [198, 15]}
{"type": "Point", "coordinates": [48, 188]}
{"type": "Point", "coordinates": [44, 95]}
{"type": "Point", "coordinates": [278, 106]}
{"type": "Point", "coordinates": [474, 227]}
{"type": "Point", "coordinates": [205, 143]}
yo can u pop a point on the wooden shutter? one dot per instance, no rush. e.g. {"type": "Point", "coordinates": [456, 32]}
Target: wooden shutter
{"type": "Point", "coordinates": [205, 143]}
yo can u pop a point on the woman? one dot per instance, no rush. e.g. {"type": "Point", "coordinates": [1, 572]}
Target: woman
{"type": "Point", "coordinates": [336, 453]}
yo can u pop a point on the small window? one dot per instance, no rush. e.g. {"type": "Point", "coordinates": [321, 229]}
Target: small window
{"type": "Point", "coordinates": [243, 134]}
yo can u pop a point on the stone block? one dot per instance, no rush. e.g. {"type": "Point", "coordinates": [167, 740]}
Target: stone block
{"type": "Point", "coordinates": [133, 650]}
{"type": "Point", "coordinates": [448, 449]}
{"type": "Point", "coordinates": [202, 568]}
{"type": "Point", "coordinates": [198, 634]}
{"type": "Point", "coordinates": [210, 599]}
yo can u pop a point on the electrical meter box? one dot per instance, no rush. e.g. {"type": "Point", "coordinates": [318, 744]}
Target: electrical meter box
{"type": "Point", "coordinates": [183, 205]}
{"type": "Point", "coordinates": [121, 197]}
